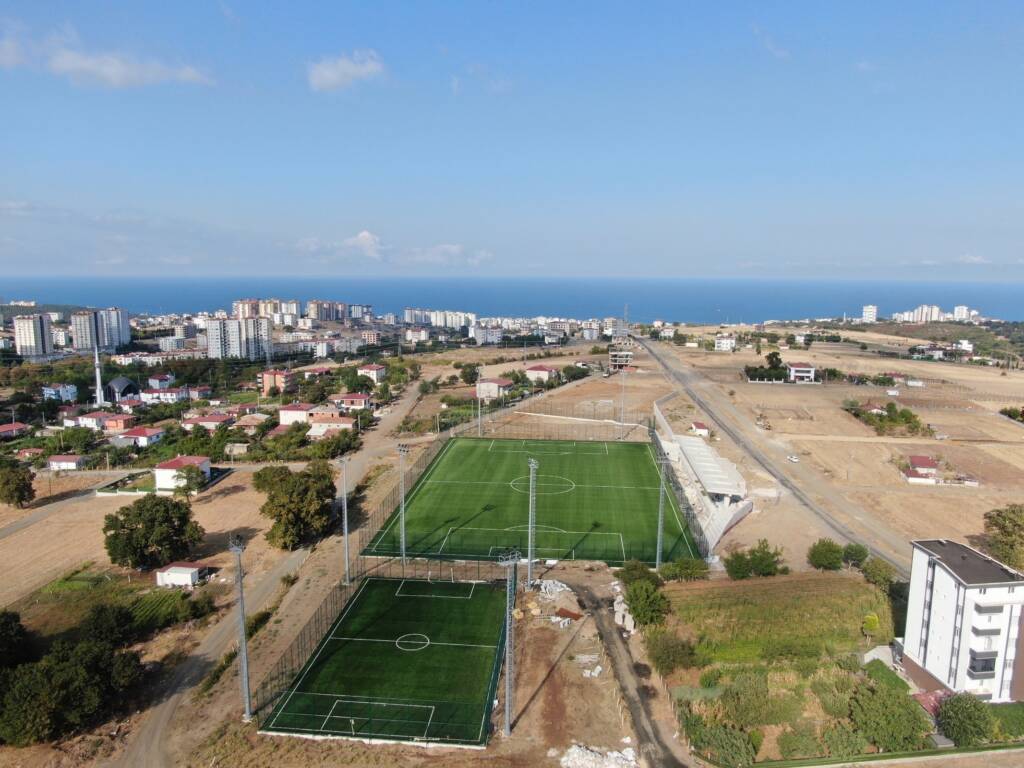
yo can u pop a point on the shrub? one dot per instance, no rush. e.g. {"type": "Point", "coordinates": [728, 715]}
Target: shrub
{"type": "Point", "coordinates": [756, 740]}
{"type": "Point", "coordinates": [800, 741]}
{"type": "Point", "coordinates": [728, 746]}
{"type": "Point", "coordinates": [834, 693]}
{"type": "Point", "coordinates": [842, 741]}
{"type": "Point", "coordinates": [1010, 718]}
{"type": "Point", "coordinates": [709, 678]}
{"type": "Point", "coordinates": [646, 603]}
{"type": "Point", "coordinates": [966, 719]}
{"type": "Point", "coordinates": [761, 560]}
{"type": "Point", "coordinates": [855, 554]}
{"type": "Point", "coordinates": [748, 702]}
{"type": "Point", "coordinates": [825, 555]}
{"type": "Point", "coordinates": [737, 565]}
{"type": "Point", "coordinates": [667, 651]}
{"type": "Point", "coordinates": [891, 721]}
{"type": "Point", "coordinates": [879, 573]}
{"type": "Point", "coordinates": [108, 623]}
{"type": "Point", "coordinates": [256, 621]}
{"type": "Point", "coordinates": [634, 570]}
{"type": "Point", "coordinates": [685, 569]}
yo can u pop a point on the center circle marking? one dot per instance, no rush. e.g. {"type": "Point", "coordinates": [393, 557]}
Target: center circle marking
{"type": "Point", "coordinates": [547, 485]}
{"type": "Point", "coordinates": [412, 642]}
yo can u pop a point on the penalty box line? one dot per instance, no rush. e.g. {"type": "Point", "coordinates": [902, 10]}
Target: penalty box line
{"type": "Point", "coordinates": [622, 542]}
{"type": "Point", "coordinates": [472, 587]}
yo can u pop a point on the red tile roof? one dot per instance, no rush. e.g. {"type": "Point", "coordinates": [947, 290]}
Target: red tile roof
{"type": "Point", "coordinates": [499, 382]}
{"type": "Point", "coordinates": [296, 407]}
{"type": "Point", "coordinates": [67, 457]}
{"type": "Point", "coordinates": [217, 418]}
{"type": "Point", "coordinates": [799, 365]}
{"type": "Point", "coordinates": [547, 368]}
{"type": "Point", "coordinates": [142, 432]}
{"type": "Point", "coordinates": [700, 425]}
{"type": "Point", "coordinates": [183, 461]}
{"type": "Point", "coordinates": [14, 426]}
{"type": "Point", "coordinates": [923, 462]}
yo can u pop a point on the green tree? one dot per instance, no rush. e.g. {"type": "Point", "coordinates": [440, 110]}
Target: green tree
{"type": "Point", "coordinates": [109, 623]}
{"type": "Point", "coordinates": [891, 721]}
{"type": "Point", "coordinates": [870, 625]}
{"type": "Point", "coordinates": [774, 360]}
{"type": "Point", "coordinates": [190, 479]}
{"type": "Point", "coordinates": [1004, 535]}
{"type": "Point", "coordinates": [16, 484]}
{"type": "Point", "coordinates": [151, 532]}
{"type": "Point", "coordinates": [13, 640]}
{"type": "Point", "coordinates": [469, 373]}
{"type": "Point", "coordinates": [266, 479]}
{"type": "Point", "coordinates": [300, 505]}
{"type": "Point", "coordinates": [685, 569]}
{"type": "Point", "coordinates": [825, 555]}
{"type": "Point", "coordinates": [966, 719]}
{"type": "Point", "coordinates": [383, 393]}
{"type": "Point", "coordinates": [855, 554]}
{"type": "Point", "coordinates": [880, 573]}
{"type": "Point", "coordinates": [646, 602]}
{"type": "Point", "coordinates": [636, 570]}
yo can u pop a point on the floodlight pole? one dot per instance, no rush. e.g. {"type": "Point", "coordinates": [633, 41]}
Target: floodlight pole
{"type": "Point", "coordinates": [237, 546]}
{"type": "Point", "coordinates": [508, 561]}
{"type": "Point", "coordinates": [661, 512]}
{"type": "Point", "coordinates": [403, 450]}
{"type": "Point", "coordinates": [622, 404]}
{"type": "Point", "coordinates": [531, 528]}
{"type": "Point", "coordinates": [479, 419]}
{"type": "Point", "coordinates": [344, 515]}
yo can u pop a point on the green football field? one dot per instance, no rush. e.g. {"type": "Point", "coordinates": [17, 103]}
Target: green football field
{"type": "Point", "coordinates": [407, 660]}
{"type": "Point", "coordinates": [595, 501]}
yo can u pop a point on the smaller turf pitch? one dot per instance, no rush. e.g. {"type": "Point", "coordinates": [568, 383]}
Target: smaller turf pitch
{"type": "Point", "coordinates": [407, 660]}
{"type": "Point", "coordinates": [595, 501]}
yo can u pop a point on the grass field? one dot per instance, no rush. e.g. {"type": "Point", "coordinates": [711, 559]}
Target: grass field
{"type": "Point", "coordinates": [595, 501]}
{"type": "Point", "coordinates": [407, 660]}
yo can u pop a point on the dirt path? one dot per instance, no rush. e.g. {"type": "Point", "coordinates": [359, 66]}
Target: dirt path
{"type": "Point", "coordinates": [654, 743]}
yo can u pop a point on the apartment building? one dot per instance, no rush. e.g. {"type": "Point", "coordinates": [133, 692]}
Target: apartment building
{"type": "Point", "coordinates": [869, 314]}
{"type": "Point", "coordinates": [248, 338]}
{"type": "Point", "coordinates": [963, 621]}
{"type": "Point", "coordinates": [281, 380]}
{"type": "Point", "coordinates": [104, 328]}
{"type": "Point", "coordinates": [32, 335]}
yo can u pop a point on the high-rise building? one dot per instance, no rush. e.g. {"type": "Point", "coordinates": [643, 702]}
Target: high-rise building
{"type": "Point", "coordinates": [115, 330]}
{"type": "Point", "coordinates": [869, 314]}
{"type": "Point", "coordinates": [85, 330]}
{"type": "Point", "coordinates": [317, 309]}
{"type": "Point", "coordinates": [244, 308]}
{"type": "Point", "coordinates": [961, 312]}
{"type": "Point", "coordinates": [32, 335]}
{"type": "Point", "coordinates": [248, 338]}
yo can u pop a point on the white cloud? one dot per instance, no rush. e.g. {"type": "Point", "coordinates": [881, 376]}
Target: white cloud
{"type": "Point", "coordinates": [11, 54]}
{"type": "Point", "coordinates": [366, 243]}
{"type": "Point", "coordinates": [969, 258]}
{"type": "Point", "coordinates": [366, 246]}
{"type": "Point", "coordinates": [330, 74]}
{"type": "Point", "coordinates": [117, 70]}
{"type": "Point", "coordinates": [770, 45]}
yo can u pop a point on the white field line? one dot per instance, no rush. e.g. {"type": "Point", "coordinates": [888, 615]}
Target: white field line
{"type": "Point", "coordinates": [329, 713]}
{"type": "Point", "coordinates": [472, 588]}
{"type": "Point", "coordinates": [500, 482]}
{"type": "Point", "coordinates": [420, 484]}
{"type": "Point", "coordinates": [393, 641]}
{"type": "Point", "coordinates": [312, 662]}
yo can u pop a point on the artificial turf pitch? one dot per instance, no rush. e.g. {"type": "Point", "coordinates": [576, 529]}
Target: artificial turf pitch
{"type": "Point", "coordinates": [595, 501]}
{"type": "Point", "coordinates": [407, 660]}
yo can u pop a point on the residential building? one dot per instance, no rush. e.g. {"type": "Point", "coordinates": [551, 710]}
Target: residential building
{"type": "Point", "coordinates": [167, 395]}
{"type": "Point", "coordinates": [142, 437]}
{"type": "Point", "coordinates": [294, 413]}
{"type": "Point", "coordinates": [800, 373]}
{"type": "Point", "coordinates": [373, 371]}
{"type": "Point", "coordinates": [114, 327]}
{"type": "Point", "coordinates": [483, 335]}
{"type": "Point", "coordinates": [700, 429]}
{"type": "Point", "coordinates": [324, 425]}
{"type": "Point", "coordinates": [13, 429]}
{"type": "Point", "coordinates": [725, 343]}
{"type": "Point", "coordinates": [417, 334]}
{"type": "Point", "coordinates": [961, 312]}
{"type": "Point", "coordinates": [352, 401]}
{"type": "Point", "coordinates": [33, 336]}
{"type": "Point", "coordinates": [491, 389]}
{"type": "Point", "coordinates": [170, 343]}
{"type": "Point", "coordinates": [243, 308]}
{"type": "Point", "coordinates": [963, 621]}
{"type": "Point", "coordinates": [209, 422]}
{"type": "Point", "coordinates": [869, 314]}
{"type": "Point", "coordinates": [541, 374]}
{"type": "Point", "coordinates": [591, 334]}
{"type": "Point", "coordinates": [372, 338]}
{"type": "Point", "coordinates": [275, 379]}
{"type": "Point", "coordinates": [161, 381]}
{"type": "Point", "coordinates": [61, 336]}
{"type": "Point", "coordinates": [65, 463]}
{"type": "Point", "coordinates": [65, 393]}
{"type": "Point", "coordinates": [924, 465]}
{"type": "Point", "coordinates": [167, 475]}
{"type": "Point", "coordinates": [85, 330]}
{"type": "Point", "coordinates": [247, 338]}
{"type": "Point", "coordinates": [619, 358]}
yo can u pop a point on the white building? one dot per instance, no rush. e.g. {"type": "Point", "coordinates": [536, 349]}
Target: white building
{"type": "Point", "coordinates": [32, 335]}
{"type": "Point", "coordinates": [65, 393]}
{"type": "Point", "coordinates": [725, 343]}
{"type": "Point", "coordinates": [869, 314]}
{"type": "Point", "coordinates": [490, 389]}
{"type": "Point", "coordinates": [65, 463]}
{"type": "Point", "coordinates": [185, 575]}
{"type": "Point", "coordinates": [294, 413]}
{"type": "Point", "coordinates": [963, 620]}
{"type": "Point", "coordinates": [961, 312]}
{"type": "Point", "coordinates": [167, 474]}
{"type": "Point", "coordinates": [248, 338]}
{"type": "Point", "coordinates": [800, 373]}
{"type": "Point", "coordinates": [541, 374]}
{"type": "Point", "coordinates": [374, 372]}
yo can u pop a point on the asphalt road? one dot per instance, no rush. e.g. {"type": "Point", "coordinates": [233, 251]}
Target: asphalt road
{"type": "Point", "coordinates": [877, 538]}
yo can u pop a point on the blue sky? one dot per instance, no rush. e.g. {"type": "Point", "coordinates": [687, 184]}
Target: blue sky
{"type": "Point", "coordinates": [775, 139]}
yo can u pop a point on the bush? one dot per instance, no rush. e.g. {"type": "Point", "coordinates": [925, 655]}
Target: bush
{"type": "Point", "coordinates": [685, 569]}
{"type": "Point", "coordinates": [728, 746]}
{"type": "Point", "coordinates": [825, 555]}
{"type": "Point", "coordinates": [842, 741]}
{"type": "Point", "coordinates": [646, 603]}
{"type": "Point", "coordinates": [761, 560]}
{"type": "Point", "coordinates": [668, 652]}
{"type": "Point", "coordinates": [834, 692]}
{"type": "Point", "coordinates": [966, 719]}
{"type": "Point", "coordinates": [855, 555]}
{"type": "Point", "coordinates": [709, 678]}
{"type": "Point", "coordinates": [13, 640]}
{"type": "Point", "coordinates": [634, 570]}
{"type": "Point", "coordinates": [1010, 718]}
{"type": "Point", "coordinates": [891, 721]}
{"type": "Point", "coordinates": [107, 623]}
{"type": "Point", "coordinates": [256, 621]}
{"type": "Point", "coordinates": [800, 741]}
{"type": "Point", "coordinates": [879, 573]}
{"type": "Point", "coordinates": [748, 702]}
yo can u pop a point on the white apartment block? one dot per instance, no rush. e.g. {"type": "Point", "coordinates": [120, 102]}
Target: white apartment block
{"type": "Point", "coordinates": [963, 620]}
{"type": "Point", "coordinates": [961, 312]}
{"type": "Point", "coordinates": [725, 343]}
{"type": "Point", "coordinates": [869, 314]}
{"type": "Point", "coordinates": [32, 335]}
{"type": "Point", "coordinates": [248, 338]}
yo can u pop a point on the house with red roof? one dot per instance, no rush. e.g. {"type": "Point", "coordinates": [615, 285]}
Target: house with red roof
{"type": "Point", "coordinates": [13, 430]}
{"type": "Point", "coordinates": [279, 379]}
{"type": "Point", "coordinates": [373, 371]}
{"type": "Point", "coordinates": [161, 380]}
{"type": "Point", "coordinates": [209, 422]}
{"type": "Point", "coordinates": [542, 374]}
{"type": "Point", "coordinates": [352, 401]}
{"type": "Point", "coordinates": [700, 429]}
{"type": "Point", "coordinates": [322, 425]}
{"type": "Point", "coordinates": [142, 437]}
{"type": "Point", "coordinates": [800, 373]}
{"type": "Point", "coordinates": [167, 475]}
{"type": "Point", "coordinates": [65, 462]}
{"type": "Point", "coordinates": [293, 413]}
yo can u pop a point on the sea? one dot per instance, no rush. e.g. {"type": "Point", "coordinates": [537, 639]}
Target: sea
{"type": "Point", "coordinates": [694, 300]}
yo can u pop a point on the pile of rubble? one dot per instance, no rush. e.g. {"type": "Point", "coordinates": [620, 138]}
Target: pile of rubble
{"type": "Point", "coordinates": [622, 615]}
{"type": "Point", "coordinates": [578, 756]}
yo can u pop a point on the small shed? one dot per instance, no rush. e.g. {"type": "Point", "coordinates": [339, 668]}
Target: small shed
{"type": "Point", "coordinates": [182, 574]}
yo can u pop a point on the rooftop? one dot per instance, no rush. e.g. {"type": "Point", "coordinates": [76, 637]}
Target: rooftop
{"type": "Point", "coordinates": [923, 462]}
{"type": "Point", "coordinates": [799, 365]}
{"type": "Point", "coordinates": [142, 432]}
{"type": "Point", "coordinates": [499, 382]}
{"type": "Point", "coordinates": [969, 565]}
{"type": "Point", "coordinates": [372, 367]}
{"type": "Point", "coordinates": [183, 461]}
{"type": "Point", "coordinates": [67, 457]}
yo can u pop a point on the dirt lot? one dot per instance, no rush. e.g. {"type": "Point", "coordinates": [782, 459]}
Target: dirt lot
{"type": "Point", "coordinates": [49, 487]}
{"type": "Point", "coordinates": [72, 534]}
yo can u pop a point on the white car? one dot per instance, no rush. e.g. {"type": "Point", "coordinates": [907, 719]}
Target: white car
{"type": "Point", "coordinates": [794, 459]}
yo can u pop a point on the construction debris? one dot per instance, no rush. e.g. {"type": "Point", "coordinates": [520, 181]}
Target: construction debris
{"type": "Point", "coordinates": [565, 613]}
{"type": "Point", "coordinates": [562, 623]}
{"type": "Point", "coordinates": [550, 587]}
{"type": "Point", "coordinates": [593, 672]}
{"type": "Point", "coordinates": [578, 756]}
{"type": "Point", "coordinates": [622, 615]}
{"type": "Point", "coordinates": [586, 659]}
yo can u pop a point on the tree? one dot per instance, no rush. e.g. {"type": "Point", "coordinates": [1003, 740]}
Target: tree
{"type": "Point", "coordinates": [855, 554]}
{"type": "Point", "coordinates": [1004, 535]}
{"type": "Point", "coordinates": [966, 719]}
{"type": "Point", "coordinates": [469, 373]}
{"type": "Point", "coordinates": [151, 532]}
{"type": "Point", "coordinates": [878, 572]}
{"type": "Point", "coordinates": [266, 479]}
{"type": "Point", "coordinates": [646, 602]}
{"type": "Point", "coordinates": [383, 393]}
{"type": "Point", "coordinates": [825, 555]}
{"type": "Point", "coordinates": [300, 505]}
{"type": "Point", "coordinates": [774, 360]}
{"type": "Point", "coordinates": [109, 623]}
{"type": "Point", "coordinates": [761, 560]}
{"type": "Point", "coordinates": [190, 479]}
{"type": "Point", "coordinates": [890, 720]}
{"type": "Point", "coordinates": [635, 570]}
{"type": "Point", "coordinates": [13, 640]}
{"type": "Point", "coordinates": [16, 484]}
{"type": "Point", "coordinates": [869, 626]}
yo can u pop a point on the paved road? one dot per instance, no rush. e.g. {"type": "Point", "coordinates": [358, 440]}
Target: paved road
{"type": "Point", "coordinates": [146, 747]}
{"type": "Point", "coordinates": [852, 524]}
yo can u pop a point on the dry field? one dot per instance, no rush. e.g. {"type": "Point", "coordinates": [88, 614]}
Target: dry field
{"type": "Point", "coordinates": [49, 488]}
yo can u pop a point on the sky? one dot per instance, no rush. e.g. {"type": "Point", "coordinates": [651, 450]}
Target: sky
{"type": "Point", "coordinates": [797, 139]}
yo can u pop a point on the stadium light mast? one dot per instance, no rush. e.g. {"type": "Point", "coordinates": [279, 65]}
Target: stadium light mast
{"type": "Point", "coordinates": [531, 528]}
{"type": "Point", "coordinates": [479, 419]}
{"type": "Point", "coordinates": [237, 546]}
{"type": "Point", "coordinates": [661, 512]}
{"type": "Point", "coordinates": [403, 451]}
{"type": "Point", "coordinates": [509, 561]}
{"type": "Point", "coordinates": [344, 514]}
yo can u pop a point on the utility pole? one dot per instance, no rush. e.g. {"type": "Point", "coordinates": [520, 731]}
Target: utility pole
{"type": "Point", "coordinates": [344, 514]}
{"type": "Point", "coordinates": [531, 528]}
{"type": "Point", "coordinates": [508, 562]}
{"type": "Point", "coordinates": [237, 546]}
{"type": "Point", "coordinates": [403, 450]}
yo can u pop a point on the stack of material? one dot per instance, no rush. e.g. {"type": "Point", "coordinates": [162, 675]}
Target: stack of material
{"type": "Point", "coordinates": [578, 756]}
{"type": "Point", "coordinates": [622, 615]}
{"type": "Point", "coordinates": [550, 588]}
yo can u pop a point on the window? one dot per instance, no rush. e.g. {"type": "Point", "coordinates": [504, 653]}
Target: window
{"type": "Point", "coordinates": [983, 591]}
